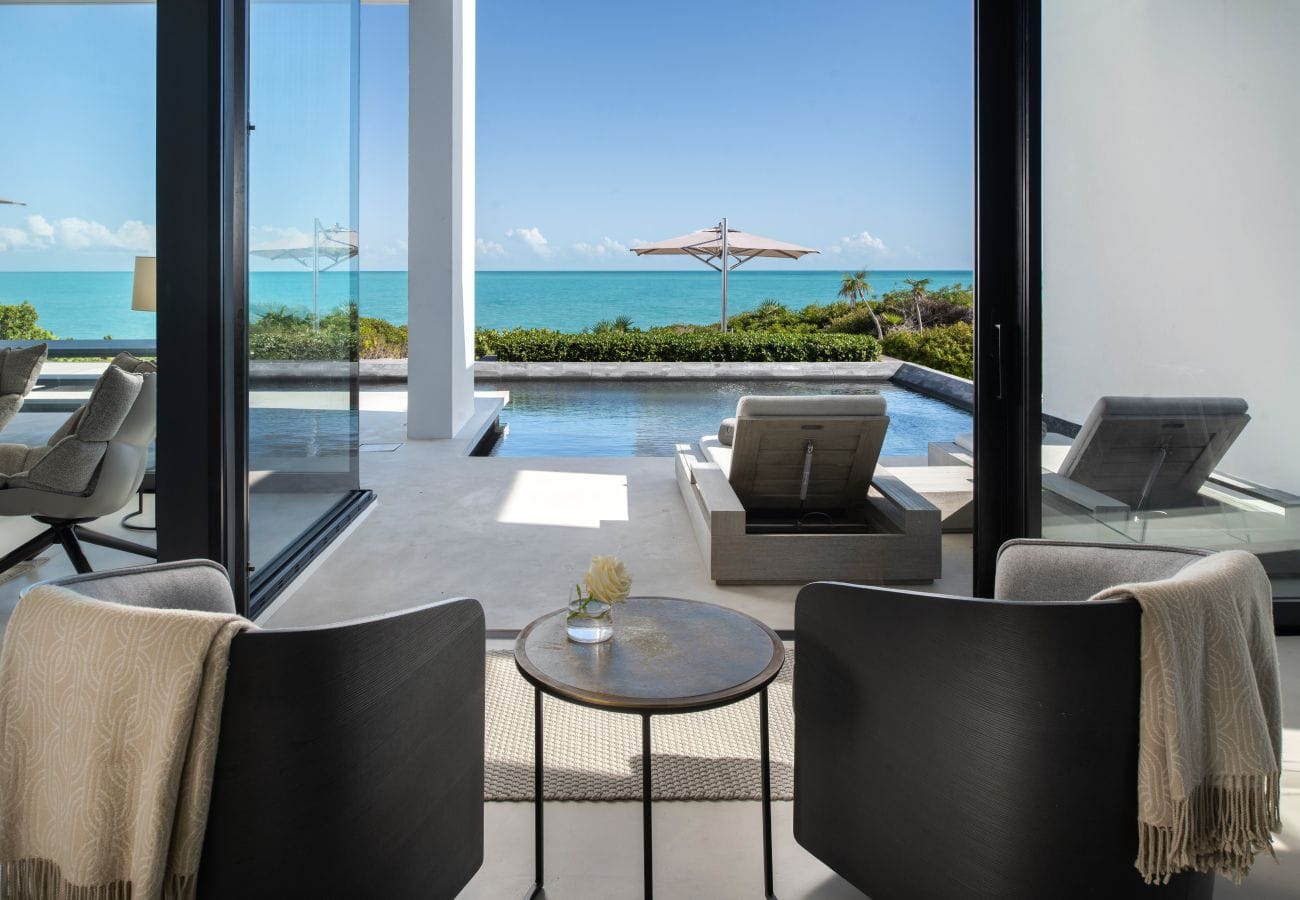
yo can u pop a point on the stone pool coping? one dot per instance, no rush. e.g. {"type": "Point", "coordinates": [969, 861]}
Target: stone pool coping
{"type": "Point", "coordinates": [957, 391]}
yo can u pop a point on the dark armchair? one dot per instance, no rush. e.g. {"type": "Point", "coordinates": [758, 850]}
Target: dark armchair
{"type": "Point", "coordinates": [350, 761]}
{"type": "Point", "coordinates": [956, 747]}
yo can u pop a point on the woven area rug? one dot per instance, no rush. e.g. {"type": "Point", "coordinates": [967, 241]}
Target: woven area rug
{"type": "Point", "coordinates": [593, 755]}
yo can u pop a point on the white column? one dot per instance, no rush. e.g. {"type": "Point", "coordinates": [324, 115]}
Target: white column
{"type": "Point", "coordinates": [440, 302]}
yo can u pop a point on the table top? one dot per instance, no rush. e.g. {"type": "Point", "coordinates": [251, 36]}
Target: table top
{"type": "Point", "coordinates": [667, 655]}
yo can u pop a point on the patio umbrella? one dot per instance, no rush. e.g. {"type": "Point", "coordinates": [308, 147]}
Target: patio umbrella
{"type": "Point", "coordinates": [328, 248]}
{"type": "Point", "coordinates": [717, 246]}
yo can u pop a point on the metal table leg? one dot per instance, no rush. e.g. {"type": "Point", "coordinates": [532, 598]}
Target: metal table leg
{"type": "Point", "coordinates": [537, 890]}
{"type": "Point", "coordinates": [765, 763]}
{"type": "Point", "coordinates": [647, 840]}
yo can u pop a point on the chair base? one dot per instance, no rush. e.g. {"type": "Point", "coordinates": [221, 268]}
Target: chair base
{"type": "Point", "coordinates": [69, 534]}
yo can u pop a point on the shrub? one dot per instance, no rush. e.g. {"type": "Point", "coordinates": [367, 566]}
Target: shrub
{"type": "Point", "coordinates": [381, 339]}
{"type": "Point", "coordinates": [18, 323]}
{"type": "Point", "coordinates": [541, 345]}
{"type": "Point", "coordinates": [949, 348]}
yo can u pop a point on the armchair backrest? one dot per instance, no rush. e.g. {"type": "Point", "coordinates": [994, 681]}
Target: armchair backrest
{"type": "Point", "coordinates": [19, 369]}
{"type": "Point", "coordinates": [771, 463]}
{"type": "Point", "coordinates": [1064, 570]}
{"type": "Point", "coordinates": [350, 760]}
{"type": "Point", "coordinates": [987, 749]}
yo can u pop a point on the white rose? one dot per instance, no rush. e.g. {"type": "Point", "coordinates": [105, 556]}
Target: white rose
{"type": "Point", "coordinates": [607, 579]}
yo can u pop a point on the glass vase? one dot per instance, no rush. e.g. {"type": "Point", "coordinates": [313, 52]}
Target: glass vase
{"type": "Point", "coordinates": [589, 621]}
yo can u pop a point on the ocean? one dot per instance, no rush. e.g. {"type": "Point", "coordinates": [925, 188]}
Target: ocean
{"type": "Point", "coordinates": [90, 305]}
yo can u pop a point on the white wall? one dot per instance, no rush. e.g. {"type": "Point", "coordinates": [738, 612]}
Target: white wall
{"type": "Point", "coordinates": [1171, 211]}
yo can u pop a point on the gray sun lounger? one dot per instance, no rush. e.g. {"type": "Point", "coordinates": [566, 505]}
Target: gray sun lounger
{"type": "Point", "coordinates": [789, 492]}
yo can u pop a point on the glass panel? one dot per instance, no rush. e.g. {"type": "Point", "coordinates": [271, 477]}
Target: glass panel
{"type": "Point", "coordinates": [1171, 210]}
{"type": "Point", "coordinates": [302, 201]}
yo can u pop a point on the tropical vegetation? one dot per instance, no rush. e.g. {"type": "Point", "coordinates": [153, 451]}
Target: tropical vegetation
{"type": "Point", "coordinates": [931, 327]}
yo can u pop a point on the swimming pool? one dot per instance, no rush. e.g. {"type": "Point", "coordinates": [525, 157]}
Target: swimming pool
{"type": "Point", "coordinates": [646, 418]}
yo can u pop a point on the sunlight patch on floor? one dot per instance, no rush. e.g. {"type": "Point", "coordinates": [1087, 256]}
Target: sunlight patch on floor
{"type": "Point", "coordinates": [565, 499]}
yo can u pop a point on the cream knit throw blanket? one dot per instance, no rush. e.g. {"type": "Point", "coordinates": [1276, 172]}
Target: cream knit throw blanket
{"type": "Point", "coordinates": [108, 733]}
{"type": "Point", "coordinates": [1210, 738]}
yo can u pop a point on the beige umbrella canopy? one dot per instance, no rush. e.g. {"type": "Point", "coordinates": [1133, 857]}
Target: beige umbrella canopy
{"type": "Point", "coordinates": [717, 246]}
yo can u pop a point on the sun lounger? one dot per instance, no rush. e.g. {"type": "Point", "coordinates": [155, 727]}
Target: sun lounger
{"type": "Point", "coordinates": [789, 491]}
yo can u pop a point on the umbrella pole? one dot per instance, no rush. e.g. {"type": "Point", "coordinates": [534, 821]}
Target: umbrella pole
{"type": "Point", "coordinates": [315, 275]}
{"type": "Point", "coordinates": [723, 226]}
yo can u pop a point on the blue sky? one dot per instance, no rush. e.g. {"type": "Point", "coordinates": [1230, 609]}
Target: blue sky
{"type": "Point", "coordinates": [842, 126]}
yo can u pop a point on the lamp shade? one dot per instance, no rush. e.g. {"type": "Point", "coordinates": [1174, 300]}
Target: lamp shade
{"type": "Point", "coordinates": [144, 289]}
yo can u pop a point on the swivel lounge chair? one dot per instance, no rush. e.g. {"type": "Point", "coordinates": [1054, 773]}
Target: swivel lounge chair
{"type": "Point", "coordinates": [89, 468]}
{"type": "Point", "coordinates": [984, 749]}
{"type": "Point", "coordinates": [19, 369]}
{"type": "Point", "coordinates": [350, 756]}
{"type": "Point", "coordinates": [790, 492]}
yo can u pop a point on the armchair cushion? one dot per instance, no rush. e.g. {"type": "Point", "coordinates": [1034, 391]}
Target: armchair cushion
{"type": "Point", "coordinates": [19, 369]}
{"type": "Point", "coordinates": [109, 402]}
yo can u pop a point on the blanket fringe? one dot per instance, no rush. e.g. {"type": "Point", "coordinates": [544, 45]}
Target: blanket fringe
{"type": "Point", "coordinates": [1219, 828]}
{"type": "Point", "coordinates": [42, 879]}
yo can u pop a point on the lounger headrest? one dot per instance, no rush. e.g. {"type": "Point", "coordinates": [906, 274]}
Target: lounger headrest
{"type": "Point", "coordinates": [872, 404]}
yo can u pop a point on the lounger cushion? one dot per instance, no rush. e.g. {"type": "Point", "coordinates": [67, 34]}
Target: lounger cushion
{"type": "Point", "coordinates": [820, 405]}
{"type": "Point", "coordinates": [727, 431]}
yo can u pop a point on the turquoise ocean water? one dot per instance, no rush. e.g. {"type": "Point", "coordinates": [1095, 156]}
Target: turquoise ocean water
{"type": "Point", "coordinates": [95, 304]}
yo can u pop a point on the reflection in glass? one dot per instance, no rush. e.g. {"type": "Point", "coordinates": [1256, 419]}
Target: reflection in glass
{"type": "Point", "coordinates": [303, 422]}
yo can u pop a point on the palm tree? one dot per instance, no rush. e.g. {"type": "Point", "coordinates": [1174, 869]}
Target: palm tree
{"type": "Point", "coordinates": [918, 294]}
{"type": "Point", "coordinates": [856, 288]}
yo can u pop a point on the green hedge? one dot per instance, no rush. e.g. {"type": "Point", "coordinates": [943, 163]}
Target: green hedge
{"type": "Point", "coordinates": [540, 345]}
{"type": "Point", "coordinates": [948, 348]}
{"type": "Point", "coordinates": [300, 345]}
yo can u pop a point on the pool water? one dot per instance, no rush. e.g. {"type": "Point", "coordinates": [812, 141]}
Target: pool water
{"type": "Point", "coordinates": [646, 418]}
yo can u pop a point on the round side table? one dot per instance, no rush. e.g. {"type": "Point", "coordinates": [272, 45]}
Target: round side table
{"type": "Point", "coordinates": [667, 656]}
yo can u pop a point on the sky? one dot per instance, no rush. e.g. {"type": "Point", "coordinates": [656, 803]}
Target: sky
{"type": "Point", "coordinates": [841, 126]}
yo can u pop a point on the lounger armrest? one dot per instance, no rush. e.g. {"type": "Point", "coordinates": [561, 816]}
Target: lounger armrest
{"type": "Point", "coordinates": [715, 489]}
{"type": "Point", "coordinates": [1095, 502]}
{"type": "Point", "coordinates": [1255, 490]}
{"type": "Point", "coordinates": [906, 507]}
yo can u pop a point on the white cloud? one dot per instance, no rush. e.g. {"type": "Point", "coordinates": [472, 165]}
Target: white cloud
{"type": "Point", "coordinates": [40, 228]}
{"type": "Point", "coordinates": [534, 238]}
{"type": "Point", "coordinates": [269, 237]}
{"type": "Point", "coordinates": [488, 248]}
{"type": "Point", "coordinates": [863, 241]}
{"type": "Point", "coordinates": [82, 234]}
{"type": "Point", "coordinates": [78, 234]}
{"type": "Point", "coordinates": [607, 247]}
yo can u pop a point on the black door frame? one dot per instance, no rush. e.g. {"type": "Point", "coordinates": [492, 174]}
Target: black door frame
{"type": "Point", "coordinates": [1008, 267]}
{"type": "Point", "coordinates": [202, 464]}
{"type": "Point", "coordinates": [202, 163]}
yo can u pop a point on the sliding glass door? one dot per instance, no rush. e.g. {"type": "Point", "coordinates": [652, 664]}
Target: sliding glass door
{"type": "Point", "coordinates": [1170, 217]}
{"type": "Point", "coordinates": [302, 282]}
